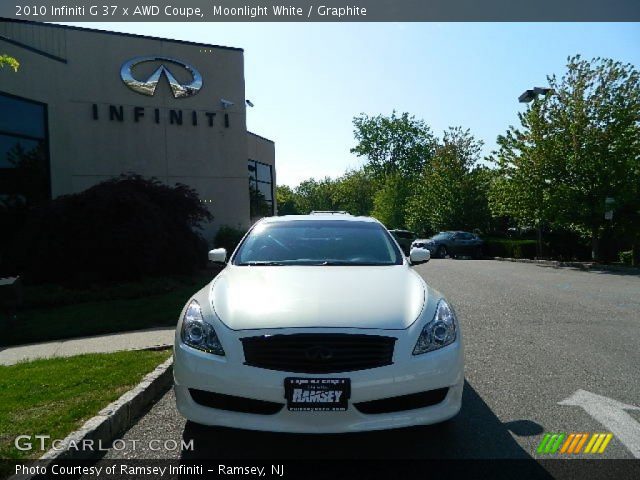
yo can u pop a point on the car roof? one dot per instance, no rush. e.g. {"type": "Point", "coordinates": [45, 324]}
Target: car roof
{"type": "Point", "coordinates": [319, 217]}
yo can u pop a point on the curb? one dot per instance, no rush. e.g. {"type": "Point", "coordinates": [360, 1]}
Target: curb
{"type": "Point", "coordinates": [115, 418]}
{"type": "Point", "coordinates": [586, 266]}
{"type": "Point", "coordinates": [551, 263]}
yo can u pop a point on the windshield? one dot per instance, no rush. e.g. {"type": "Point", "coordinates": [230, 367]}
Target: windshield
{"type": "Point", "coordinates": [441, 236]}
{"type": "Point", "coordinates": [318, 242]}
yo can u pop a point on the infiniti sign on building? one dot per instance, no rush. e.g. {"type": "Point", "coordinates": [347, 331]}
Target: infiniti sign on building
{"type": "Point", "coordinates": [89, 105]}
{"type": "Point", "coordinates": [148, 86]}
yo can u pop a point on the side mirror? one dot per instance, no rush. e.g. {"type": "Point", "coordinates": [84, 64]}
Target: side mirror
{"type": "Point", "coordinates": [419, 255]}
{"type": "Point", "coordinates": [218, 255]}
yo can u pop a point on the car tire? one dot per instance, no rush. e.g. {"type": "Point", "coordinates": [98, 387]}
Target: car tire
{"type": "Point", "coordinates": [442, 251]}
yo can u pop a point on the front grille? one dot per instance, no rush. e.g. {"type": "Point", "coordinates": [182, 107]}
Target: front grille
{"type": "Point", "coordinates": [403, 402]}
{"type": "Point", "coordinates": [318, 352]}
{"type": "Point", "coordinates": [234, 404]}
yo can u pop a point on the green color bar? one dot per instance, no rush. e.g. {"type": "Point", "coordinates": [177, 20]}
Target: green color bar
{"type": "Point", "coordinates": [550, 443]}
{"type": "Point", "coordinates": [558, 443]}
{"type": "Point", "coordinates": [543, 443]}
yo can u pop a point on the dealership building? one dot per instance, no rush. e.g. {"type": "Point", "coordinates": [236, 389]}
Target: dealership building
{"type": "Point", "coordinates": [89, 105]}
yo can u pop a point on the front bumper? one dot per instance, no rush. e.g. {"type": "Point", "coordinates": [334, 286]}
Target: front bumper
{"type": "Point", "coordinates": [408, 374]}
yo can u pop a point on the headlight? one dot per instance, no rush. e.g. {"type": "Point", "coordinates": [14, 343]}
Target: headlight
{"type": "Point", "coordinates": [197, 333]}
{"type": "Point", "coordinates": [439, 332]}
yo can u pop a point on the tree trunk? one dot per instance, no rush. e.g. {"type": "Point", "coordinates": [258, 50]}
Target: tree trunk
{"type": "Point", "coordinates": [539, 238]}
{"type": "Point", "coordinates": [595, 244]}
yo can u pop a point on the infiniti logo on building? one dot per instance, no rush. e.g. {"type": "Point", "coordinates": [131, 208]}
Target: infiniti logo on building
{"type": "Point", "coordinates": [148, 86]}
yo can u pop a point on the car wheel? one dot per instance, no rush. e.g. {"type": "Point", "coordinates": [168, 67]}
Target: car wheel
{"type": "Point", "coordinates": [442, 251]}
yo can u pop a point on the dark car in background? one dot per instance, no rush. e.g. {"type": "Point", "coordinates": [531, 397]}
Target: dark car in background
{"type": "Point", "coordinates": [453, 243]}
{"type": "Point", "coordinates": [404, 238]}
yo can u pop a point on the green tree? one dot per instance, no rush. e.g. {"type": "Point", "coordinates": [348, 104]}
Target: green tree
{"type": "Point", "coordinates": [596, 111]}
{"type": "Point", "coordinates": [389, 202]}
{"type": "Point", "coordinates": [576, 147]}
{"type": "Point", "coordinates": [315, 194]}
{"type": "Point", "coordinates": [451, 192]}
{"type": "Point", "coordinates": [286, 200]}
{"type": "Point", "coordinates": [354, 192]}
{"type": "Point", "coordinates": [396, 149]}
{"type": "Point", "coordinates": [528, 171]}
{"type": "Point", "coordinates": [393, 144]}
{"type": "Point", "coordinates": [9, 61]}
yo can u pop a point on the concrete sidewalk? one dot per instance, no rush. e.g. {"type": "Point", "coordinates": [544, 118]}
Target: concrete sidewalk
{"type": "Point", "coordinates": [136, 340]}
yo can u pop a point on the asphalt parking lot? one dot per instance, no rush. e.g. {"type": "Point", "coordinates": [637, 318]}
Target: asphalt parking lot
{"type": "Point", "coordinates": [547, 350]}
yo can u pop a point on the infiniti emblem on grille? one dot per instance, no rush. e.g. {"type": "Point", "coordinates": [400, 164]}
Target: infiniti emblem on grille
{"type": "Point", "coordinates": [319, 353]}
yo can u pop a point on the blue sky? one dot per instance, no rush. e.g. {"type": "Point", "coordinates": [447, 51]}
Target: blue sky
{"type": "Point", "coordinates": [308, 80]}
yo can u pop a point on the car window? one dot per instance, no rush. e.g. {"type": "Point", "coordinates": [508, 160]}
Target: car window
{"type": "Point", "coordinates": [441, 236]}
{"type": "Point", "coordinates": [318, 242]}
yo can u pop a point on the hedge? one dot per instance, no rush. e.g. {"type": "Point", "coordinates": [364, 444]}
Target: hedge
{"type": "Point", "coordinates": [228, 238]}
{"type": "Point", "coordinates": [626, 257]}
{"type": "Point", "coordinates": [508, 248]}
{"type": "Point", "coordinates": [121, 229]}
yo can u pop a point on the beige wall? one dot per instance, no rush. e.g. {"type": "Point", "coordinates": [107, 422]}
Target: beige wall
{"type": "Point", "coordinates": [85, 151]}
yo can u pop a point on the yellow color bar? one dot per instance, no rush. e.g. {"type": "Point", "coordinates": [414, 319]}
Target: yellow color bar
{"type": "Point", "coordinates": [605, 443]}
{"type": "Point", "coordinates": [594, 437]}
{"type": "Point", "coordinates": [596, 445]}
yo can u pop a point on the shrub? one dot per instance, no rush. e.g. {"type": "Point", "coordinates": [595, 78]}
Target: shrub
{"type": "Point", "coordinates": [123, 228]}
{"type": "Point", "coordinates": [626, 257]}
{"type": "Point", "coordinates": [566, 245]}
{"type": "Point", "coordinates": [228, 238]}
{"type": "Point", "coordinates": [508, 248]}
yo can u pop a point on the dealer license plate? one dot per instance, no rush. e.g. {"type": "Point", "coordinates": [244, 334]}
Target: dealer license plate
{"type": "Point", "coordinates": [317, 394]}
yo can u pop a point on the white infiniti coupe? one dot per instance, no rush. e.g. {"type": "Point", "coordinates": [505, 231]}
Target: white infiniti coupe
{"type": "Point", "coordinates": [318, 324]}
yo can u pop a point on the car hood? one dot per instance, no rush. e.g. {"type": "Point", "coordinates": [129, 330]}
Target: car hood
{"type": "Point", "coordinates": [263, 297]}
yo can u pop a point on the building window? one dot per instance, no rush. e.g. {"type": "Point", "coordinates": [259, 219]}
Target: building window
{"type": "Point", "coordinates": [24, 156]}
{"type": "Point", "coordinates": [260, 189]}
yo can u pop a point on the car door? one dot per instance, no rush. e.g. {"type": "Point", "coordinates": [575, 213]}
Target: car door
{"type": "Point", "coordinates": [469, 243]}
{"type": "Point", "coordinates": [461, 243]}
{"type": "Point", "coordinates": [454, 244]}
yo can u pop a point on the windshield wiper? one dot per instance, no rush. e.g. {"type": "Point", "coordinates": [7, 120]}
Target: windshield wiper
{"type": "Point", "coordinates": [346, 263]}
{"type": "Point", "coordinates": [262, 263]}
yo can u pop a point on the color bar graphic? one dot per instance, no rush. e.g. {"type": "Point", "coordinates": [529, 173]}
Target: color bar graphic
{"type": "Point", "coordinates": [572, 443]}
